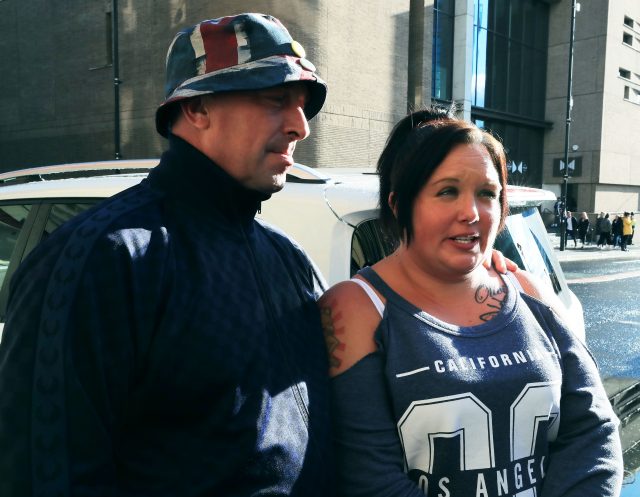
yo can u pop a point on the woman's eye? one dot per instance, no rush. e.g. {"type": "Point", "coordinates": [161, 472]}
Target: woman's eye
{"type": "Point", "coordinates": [447, 192]}
{"type": "Point", "coordinates": [489, 194]}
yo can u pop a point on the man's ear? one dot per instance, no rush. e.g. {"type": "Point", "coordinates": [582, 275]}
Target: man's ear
{"type": "Point", "coordinates": [196, 111]}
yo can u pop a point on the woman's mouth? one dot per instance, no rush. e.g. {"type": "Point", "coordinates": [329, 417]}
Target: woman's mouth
{"type": "Point", "coordinates": [466, 239]}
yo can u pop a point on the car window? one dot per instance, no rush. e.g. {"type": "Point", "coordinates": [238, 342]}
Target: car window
{"type": "Point", "coordinates": [12, 218]}
{"type": "Point", "coordinates": [22, 227]}
{"type": "Point", "coordinates": [61, 213]}
{"type": "Point", "coordinates": [524, 240]}
{"type": "Point", "coordinates": [368, 245]}
{"type": "Point", "coordinates": [516, 241]}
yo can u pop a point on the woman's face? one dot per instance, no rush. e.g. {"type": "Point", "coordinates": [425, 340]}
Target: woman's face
{"type": "Point", "coordinates": [457, 213]}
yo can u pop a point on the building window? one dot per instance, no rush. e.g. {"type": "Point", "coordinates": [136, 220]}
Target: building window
{"type": "Point", "coordinates": [632, 95]}
{"type": "Point", "coordinates": [627, 39]}
{"type": "Point", "coordinates": [624, 73]}
{"type": "Point", "coordinates": [523, 145]}
{"type": "Point", "coordinates": [510, 56]}
{"type": "Point", "coordinates": [442, 56]}
{"type": "Point", "coordinates": [509, 79]}
{"type": "Point", "coordinates": [628, 21]}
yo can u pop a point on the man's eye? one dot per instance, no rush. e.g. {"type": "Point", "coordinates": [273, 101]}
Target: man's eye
{"type": "Point", "coordinates": [276, 99]}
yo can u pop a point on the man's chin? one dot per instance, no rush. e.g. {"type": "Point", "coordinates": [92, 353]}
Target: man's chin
{"type": "Point", "coordinates": [275, 185]}
{"type": "Point", "coordinates": [278, 181]}
{"type": "Point", "coordinates": [277, 188]}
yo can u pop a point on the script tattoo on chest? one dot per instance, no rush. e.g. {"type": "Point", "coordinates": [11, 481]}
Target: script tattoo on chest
{"type": "Point", "coordinates": [492, 298]}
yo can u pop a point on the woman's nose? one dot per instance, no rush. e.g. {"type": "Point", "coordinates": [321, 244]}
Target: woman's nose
{"type": "Point", "coordinates": [468, 209]}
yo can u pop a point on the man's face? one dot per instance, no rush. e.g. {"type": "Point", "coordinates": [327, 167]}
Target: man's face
{"type": "Point", "coordinates": [252, 134]}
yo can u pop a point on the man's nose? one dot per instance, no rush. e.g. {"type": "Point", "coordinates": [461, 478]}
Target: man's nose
{"type": "Point", "coordinates": [296, 124]}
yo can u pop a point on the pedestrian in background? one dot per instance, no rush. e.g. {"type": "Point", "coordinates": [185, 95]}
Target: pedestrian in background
{"type": "Point", "coordinates": [627, 231]}
{"type": "Point", "coordinates": [442, 360]}
{"type": "Point", "coordinates": [558, 209]}
{"type": "Point", "coordinates": [166, 343]}
{"type": "Point", "coordinates": [572, 226]}
{"type": "Point", "coordinates": [633, 229]}
{"type": "Point", "coordinates": [605, 231]}
{"type": "Point", "coordinates": [616, 231]}
{"type": "Point", "coordinates": [583, 228]}
{"type": "Point", "coordinates": [598, 223]}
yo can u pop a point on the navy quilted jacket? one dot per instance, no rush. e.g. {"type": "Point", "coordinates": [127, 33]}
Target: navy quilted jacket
{"type": "Point", "coordinates": [165, 343]}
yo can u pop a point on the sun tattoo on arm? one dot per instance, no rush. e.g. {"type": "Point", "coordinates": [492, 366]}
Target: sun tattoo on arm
{"type": "Point", "coordinates": [331, 331]}
{"type": "Point", "coordinates": [493, 298]}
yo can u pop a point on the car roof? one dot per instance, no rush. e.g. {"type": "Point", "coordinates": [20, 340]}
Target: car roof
{"type": "Point", "coordinates": [343, 186]}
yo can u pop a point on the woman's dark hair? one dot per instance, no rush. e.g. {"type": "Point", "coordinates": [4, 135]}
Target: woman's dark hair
{"type": "Point", "coordinates": [416, 146]}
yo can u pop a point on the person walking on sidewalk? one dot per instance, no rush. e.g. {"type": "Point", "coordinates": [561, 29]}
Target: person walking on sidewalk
{"type": "Point", "coordinates": [596, 228]}
{"type": "Point", "coordinates": [558, 209]}
{"type": "Point", "coordinates": [572, 225]}
{"type": "Point", "coordinates": [627, 231]}
{"type": "Point", "coordinates": [605, 231]}
{"type": "Point", "coordinates": [583, 228]}
{"type": "Point", "coordinates": [616, 231]}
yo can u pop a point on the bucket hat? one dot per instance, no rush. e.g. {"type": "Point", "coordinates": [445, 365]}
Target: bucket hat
{"type": "Point", "coordinates": [242, 52]}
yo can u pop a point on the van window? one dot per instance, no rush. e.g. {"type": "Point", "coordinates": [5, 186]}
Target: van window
{"type": "Point", "coordinates": [12, 219]}
{"type": "Point", "coordinates": [61, 213]}
{"type": "Point", "coordinates": [368, 245]}
{"type": "Point", "coordinates": [524, 240]}
{"type": "Point", "coordinates": [22, 227]}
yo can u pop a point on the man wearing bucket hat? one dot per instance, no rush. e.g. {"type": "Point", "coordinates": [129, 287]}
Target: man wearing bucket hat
{"type": "Point", "coordinates": [165, 342]}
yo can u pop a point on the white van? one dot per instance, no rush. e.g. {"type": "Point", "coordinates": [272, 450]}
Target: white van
{"type": "Point", "coordinates": [331, 212]}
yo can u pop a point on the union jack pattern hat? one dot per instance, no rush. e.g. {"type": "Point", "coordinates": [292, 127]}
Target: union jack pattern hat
{"type": "Point", "coordinates": [241, 52]}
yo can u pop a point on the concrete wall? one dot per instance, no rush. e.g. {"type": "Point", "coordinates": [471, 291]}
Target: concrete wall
{"type": "Point", "coordinates": [365, 48]}
{"type": "Point", "coordinates": [588, 83]}
{"type": "Point", "coordinates": [56, 93]}
{"type": "Point", "coordinates": [620, 157]}
{"type": "Point", "coordinates": [617, 198]}
{"type": "Point", "coordinates": [605, 126]}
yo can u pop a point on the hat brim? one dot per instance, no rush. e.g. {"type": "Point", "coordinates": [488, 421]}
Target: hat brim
{"type": "Point", "coordinates": [258, 75]}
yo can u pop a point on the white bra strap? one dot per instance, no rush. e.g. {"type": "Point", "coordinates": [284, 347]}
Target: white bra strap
{"type": "Point", "coordinates": [377, 302]}
{"type": "Point", "coordinates": [513, 279]}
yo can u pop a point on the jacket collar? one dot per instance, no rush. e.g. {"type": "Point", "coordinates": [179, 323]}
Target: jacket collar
{"type": "Point", "coordinates": [187, 175]}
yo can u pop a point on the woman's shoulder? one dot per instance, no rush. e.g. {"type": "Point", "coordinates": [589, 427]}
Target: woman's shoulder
{"type": "Point", "coordinates": [349, 320]}
{"type": "Point", "coordinates": [545, 298]}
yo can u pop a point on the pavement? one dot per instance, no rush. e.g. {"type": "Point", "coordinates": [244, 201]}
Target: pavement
{"type": "Point", "coordinates": [591, 251]}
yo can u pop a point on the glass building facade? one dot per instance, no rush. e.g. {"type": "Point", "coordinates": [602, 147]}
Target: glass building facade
{"type": "Point", "coordinates": [442, 56]}
{"type": "Point", "coordinates": [509, 79]}
{"type": "Point", "coordinates": [508, 75]}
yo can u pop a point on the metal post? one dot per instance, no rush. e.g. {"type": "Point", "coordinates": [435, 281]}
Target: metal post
{"type": "Point", "coordinates": [416, 55]}
{"type": "Point", "coordinates": [116, 79]}
{"type": "Point", "coordinates": [567, 133]}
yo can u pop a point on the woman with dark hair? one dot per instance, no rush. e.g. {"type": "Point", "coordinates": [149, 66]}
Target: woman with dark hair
{"type": "Point", "coordinates": [605, 231]}
{"type": "Point", "coordinates": [446, 378]}
{"type": "Point", "coordinates": [583, 228]}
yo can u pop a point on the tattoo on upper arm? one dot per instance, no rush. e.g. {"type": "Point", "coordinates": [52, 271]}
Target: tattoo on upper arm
{"type": "Point", "coordinates": [493, 298]}
{"type": "Point", "coordinates": [331, 332]}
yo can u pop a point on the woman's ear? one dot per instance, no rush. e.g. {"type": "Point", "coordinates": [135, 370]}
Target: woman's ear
{"type": "Point", "coordinates": [391, 202]}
